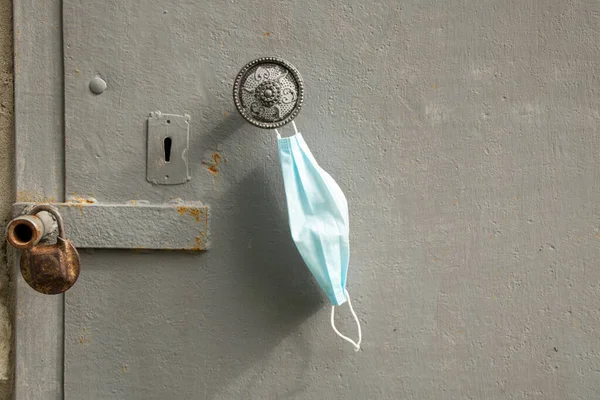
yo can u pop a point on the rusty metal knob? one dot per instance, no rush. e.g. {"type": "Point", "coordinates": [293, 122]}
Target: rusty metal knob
{"type": "Point", "coordinates": [268, 92]}
{"type": "Point", "coordinates": [25, 231]}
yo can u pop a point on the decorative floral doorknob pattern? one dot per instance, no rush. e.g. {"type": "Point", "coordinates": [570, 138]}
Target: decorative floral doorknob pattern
{"type": "Point", "coordinates": [268, 92]}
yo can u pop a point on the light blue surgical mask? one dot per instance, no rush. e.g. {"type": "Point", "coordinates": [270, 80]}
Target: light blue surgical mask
{"type": "Point", "coordinates": [318, 215]}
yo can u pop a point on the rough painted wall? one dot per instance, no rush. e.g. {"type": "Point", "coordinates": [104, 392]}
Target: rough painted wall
{"type": "Point", "coordinates": [479, 276]}
{"type": "Point", "coordinates": [6, 192]}
{"type": "Point", "coordinates": [465, 135]}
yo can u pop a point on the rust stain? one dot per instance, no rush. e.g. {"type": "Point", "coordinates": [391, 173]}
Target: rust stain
{"type": "Point", "coordinates": [267, 34]}
{"type": "Point", "coordinates": [225, 114]}
{"type": "Point", "coordinates": [213, 163]}
{"type": "Point", "coordinates": [85, 336]}
{"type": "Point", "coordinates": [80, 206]}
{"type": "Point", "coordinates": [124, 368]}
{"type": "Point", "coordinates": [80, 202]}
{"type": "Point", "coordinates": [194, 212]}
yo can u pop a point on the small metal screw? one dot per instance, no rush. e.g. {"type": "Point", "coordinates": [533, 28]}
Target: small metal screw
{"type": "Point", "coordinates": [97, 85]}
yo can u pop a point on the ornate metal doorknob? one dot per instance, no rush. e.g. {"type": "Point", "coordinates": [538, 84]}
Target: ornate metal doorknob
{"type": "Point", "coordinates": [268, 92]}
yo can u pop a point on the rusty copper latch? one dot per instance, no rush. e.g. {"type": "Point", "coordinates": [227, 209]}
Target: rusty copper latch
{"type": "Point", "coordinates": [49, 269]}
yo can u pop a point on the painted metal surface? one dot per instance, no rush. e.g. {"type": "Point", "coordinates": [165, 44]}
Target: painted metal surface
{"type": "Point", "coordinates": [39, 177]}
{"type": "Point", "coordinates": [465, 137]}
{"type": "Point", "coordinates": [134, 225]}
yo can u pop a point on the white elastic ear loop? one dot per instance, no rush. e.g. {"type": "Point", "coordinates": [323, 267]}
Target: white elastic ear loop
{"type": "Point", "coordinates": [295, 130]}
{"type": "Point", "coordinates": [346, 338]}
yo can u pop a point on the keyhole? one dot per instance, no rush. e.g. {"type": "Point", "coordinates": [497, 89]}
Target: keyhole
{"type": "Point", "coordinates": [167, 145]}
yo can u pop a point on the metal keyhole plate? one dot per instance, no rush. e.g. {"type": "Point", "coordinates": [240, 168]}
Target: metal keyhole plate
{"type": "Point", "coordinates": [268, 92]}
{"type": "Point", "coordinates": [168, 145]}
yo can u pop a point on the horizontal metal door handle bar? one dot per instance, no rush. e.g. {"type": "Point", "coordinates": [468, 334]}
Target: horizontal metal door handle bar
{"type": "Point", "coordinates": [133, 225]}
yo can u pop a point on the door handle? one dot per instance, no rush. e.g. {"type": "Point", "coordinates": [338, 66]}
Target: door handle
{"type": "Point", "coordinates": [268, 92]}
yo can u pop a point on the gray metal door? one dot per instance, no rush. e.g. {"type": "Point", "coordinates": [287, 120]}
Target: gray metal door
{"type": "Point", "coordinates": [464, 135]}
